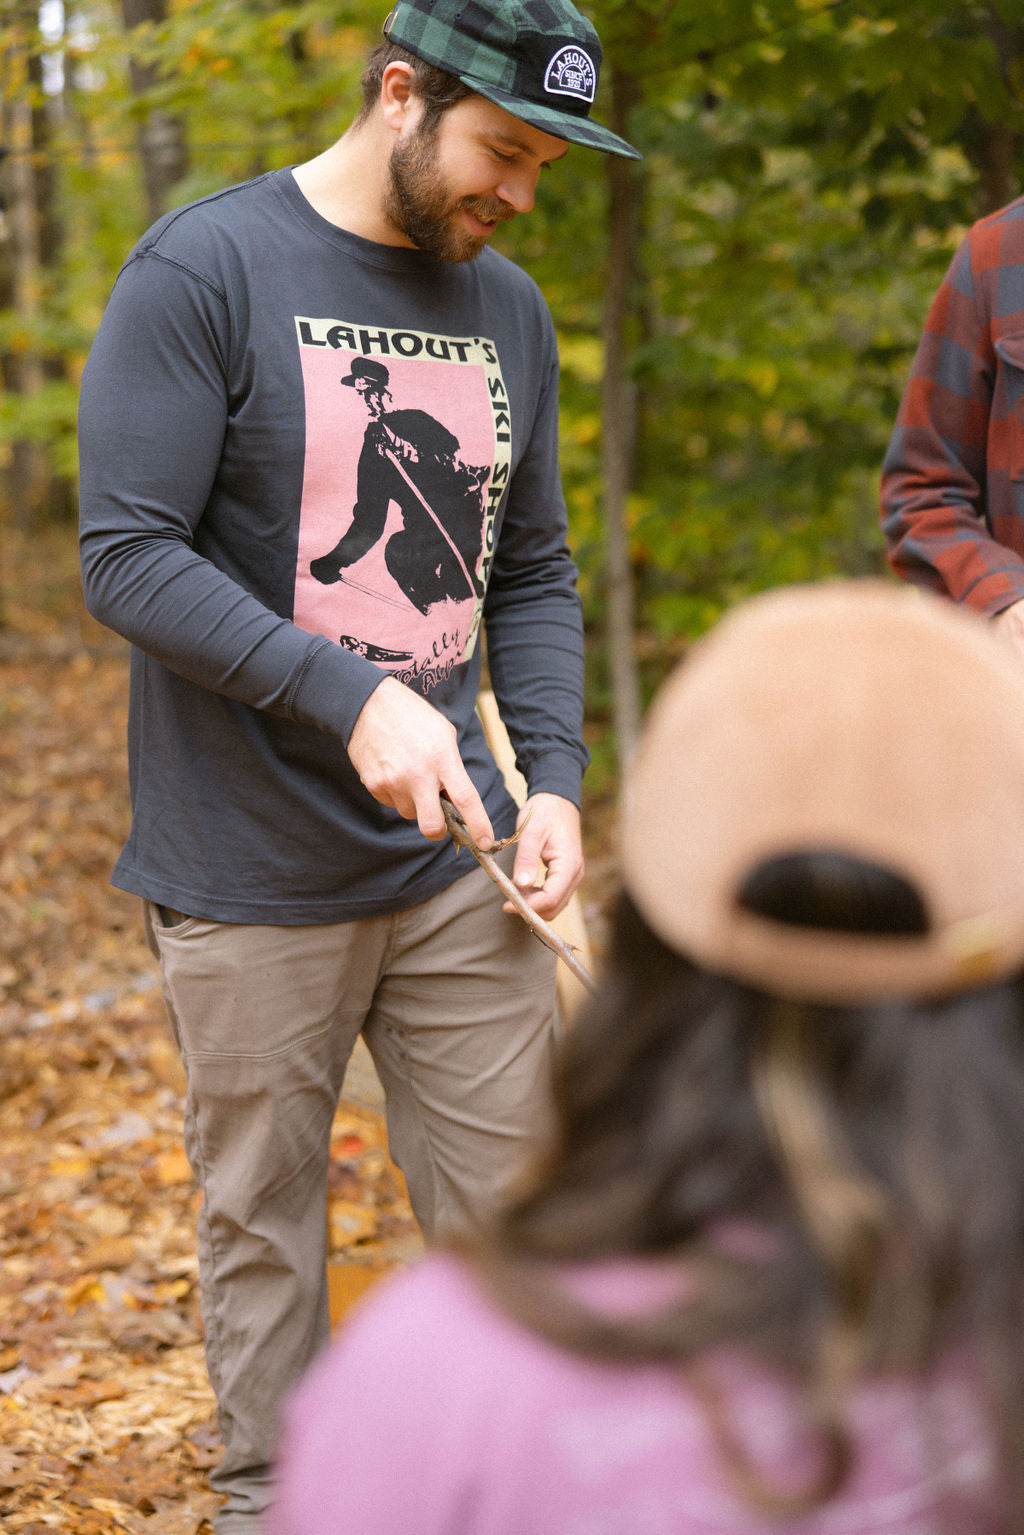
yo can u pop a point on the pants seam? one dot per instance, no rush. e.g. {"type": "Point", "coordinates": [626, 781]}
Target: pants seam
{"type": "Point", "coordinates": [444, 1197]}
{"type": "Point", "coordinates": [213, 1325]}
{"type": "Point", "coordinates": [268, 1055]}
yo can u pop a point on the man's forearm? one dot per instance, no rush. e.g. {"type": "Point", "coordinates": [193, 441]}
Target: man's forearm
{"type": "Point", "coordinates": [535, 659]}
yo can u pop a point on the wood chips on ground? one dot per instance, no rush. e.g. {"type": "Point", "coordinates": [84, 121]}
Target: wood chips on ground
{"type": "Point", "coordinates": [106, 1416]}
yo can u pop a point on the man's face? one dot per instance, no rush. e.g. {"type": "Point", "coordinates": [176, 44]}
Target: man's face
{"type": "Point", "coordinates": [451, 186]}
{"type": "Point", "coordinates": [371, 391]}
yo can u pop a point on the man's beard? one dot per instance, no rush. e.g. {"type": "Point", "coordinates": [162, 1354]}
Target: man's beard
{"type": "Point", "coordinates": [418, 203]}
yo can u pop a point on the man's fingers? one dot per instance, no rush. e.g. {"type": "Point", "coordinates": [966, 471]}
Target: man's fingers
{"type": "Point", "coordinates": [406, 754]}
{"type": "Point", "coordinates": [459, 788]}
{"type": "Point", "coordinates": [558, 887]}
{"type": "Point", "coordinates": [528, 869]}
{"type": "Point", "coordinates": [549, 840]}
{"type": "Point", "coordinates": [553, 896]}
{"type": "Point", "coordinates": [548, 901]}
{"type": "Point", "coordinates": [429, 815]}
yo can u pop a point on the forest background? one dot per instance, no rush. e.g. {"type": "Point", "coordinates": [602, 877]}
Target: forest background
{"type": "Point", "coordinates": [736, 318]}
{"type": "Point", "coordinates": [736, 315]}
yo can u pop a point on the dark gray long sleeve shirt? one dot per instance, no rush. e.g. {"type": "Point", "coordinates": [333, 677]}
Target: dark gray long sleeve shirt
{"type": "Point", "coordinates": [262, 382]}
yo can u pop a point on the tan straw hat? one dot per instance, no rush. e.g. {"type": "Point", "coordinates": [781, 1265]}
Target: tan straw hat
{"type": "Point", "coordinates": [859, 717]}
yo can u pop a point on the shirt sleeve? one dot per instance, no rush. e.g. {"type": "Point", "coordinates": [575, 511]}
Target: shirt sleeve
{"type": "Point", "coordinates": [935, 496]}
{"type": "Point", "coordinates": [152, 418]}
{"type": "Point", "coordinates": [533, 615]}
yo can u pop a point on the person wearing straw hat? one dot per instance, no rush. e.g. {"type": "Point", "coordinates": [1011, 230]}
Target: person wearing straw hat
{"type": "Point", "coordinates": [766, 1277]}
{"type": "Point", "coordinates": [293, 723]}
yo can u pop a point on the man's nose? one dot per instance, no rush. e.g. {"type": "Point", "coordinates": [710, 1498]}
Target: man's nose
{"type": "Point", "coordinates": [518, 188]}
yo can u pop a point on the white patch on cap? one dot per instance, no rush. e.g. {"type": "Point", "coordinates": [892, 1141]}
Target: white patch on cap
{"type": "Point", "coordinates": [571, 73]}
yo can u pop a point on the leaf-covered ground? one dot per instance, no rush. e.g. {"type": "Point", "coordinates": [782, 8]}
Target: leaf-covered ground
{"type": "Point", "coordinates": [106, 1416]}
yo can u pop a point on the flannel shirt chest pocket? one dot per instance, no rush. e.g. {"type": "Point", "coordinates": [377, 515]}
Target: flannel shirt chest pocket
{"type": "Point", "coordinates": [1010, 350]}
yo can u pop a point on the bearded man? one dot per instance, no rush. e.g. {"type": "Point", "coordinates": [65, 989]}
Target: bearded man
{"type": "Point", "coordinates": [287, 839]}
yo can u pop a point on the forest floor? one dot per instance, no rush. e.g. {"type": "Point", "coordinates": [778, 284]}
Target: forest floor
{"type": "Point", "coordinates": [106, 1417]}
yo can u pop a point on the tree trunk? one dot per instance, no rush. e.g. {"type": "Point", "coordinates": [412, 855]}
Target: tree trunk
{"type": "Point", "coordinates": [23, 367]}
{"type": "Point", "coordinates": [992, 150]}
{"type": "Point", "coordinates": [618, 409]}
{"type": "Point", "coordinates": [47, 117]}
{"type": "Point", "coordinates": [992, 146]}
{"type": "Point", "coordinates": [161, 134]}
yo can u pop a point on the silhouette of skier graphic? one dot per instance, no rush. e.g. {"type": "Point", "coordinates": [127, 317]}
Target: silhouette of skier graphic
{"type": "Point", "coordinates": [408, 457]}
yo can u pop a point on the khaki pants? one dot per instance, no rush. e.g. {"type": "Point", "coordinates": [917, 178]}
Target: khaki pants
{"type": "Point", "coordinates": [456, 1002]}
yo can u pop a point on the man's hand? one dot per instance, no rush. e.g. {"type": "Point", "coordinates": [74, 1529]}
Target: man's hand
{"type": "Point", "coordinates": [1009, 625]}
{"type": "Point", "coordinates": [406, 753]}
{"type": "Point", "coordinates": [550, 837]}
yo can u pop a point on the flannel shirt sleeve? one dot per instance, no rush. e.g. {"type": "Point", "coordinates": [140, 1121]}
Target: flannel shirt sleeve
{"type": "Point", "coordinates": [949, 511]}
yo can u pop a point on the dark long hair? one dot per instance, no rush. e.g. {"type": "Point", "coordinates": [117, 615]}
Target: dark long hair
{"type": "Point", "coordinates": [878, 1151]}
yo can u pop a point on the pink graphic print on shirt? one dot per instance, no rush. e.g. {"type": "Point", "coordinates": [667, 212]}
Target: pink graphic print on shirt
{"type": "Point", "coordinates": [408, 453]}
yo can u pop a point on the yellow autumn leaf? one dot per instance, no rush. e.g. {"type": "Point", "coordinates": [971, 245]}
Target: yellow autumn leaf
{"type": "Point", "coordinates": [350, 1222]}
{"type": "Point", "coordinates": [84, 1290]}
{"type": "Point", "coordinates": [348, 1283]}
{"type": "Point", "coordinates": [172, 1167]}
{"type": "Point", "coordinates": [70, 1167]}
{"type": "Point", "coordinates": [170, 1289]}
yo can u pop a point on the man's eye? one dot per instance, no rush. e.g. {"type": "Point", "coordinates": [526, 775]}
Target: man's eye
{"type": "Point", "coordinates": [505, 159]}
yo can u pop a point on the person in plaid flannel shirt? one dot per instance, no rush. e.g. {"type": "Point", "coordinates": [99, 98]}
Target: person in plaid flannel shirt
{"type": "Point", "coordinates": [953, 476]}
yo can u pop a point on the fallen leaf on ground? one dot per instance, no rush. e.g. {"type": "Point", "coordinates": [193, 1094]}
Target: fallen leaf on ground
{"type": "Point", "coordinates": [107, 1422]}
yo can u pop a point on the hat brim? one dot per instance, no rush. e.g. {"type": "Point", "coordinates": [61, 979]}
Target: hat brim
{"type": "Point", "coordinates": [909, 757]}
{"type": "Point", "coordinates": [561, 125]}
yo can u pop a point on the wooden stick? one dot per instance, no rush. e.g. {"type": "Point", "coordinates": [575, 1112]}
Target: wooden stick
{"type": "Point", "coordinates": [541, 929]}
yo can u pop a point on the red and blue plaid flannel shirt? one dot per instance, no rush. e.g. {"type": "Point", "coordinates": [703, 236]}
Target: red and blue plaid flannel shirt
{"type": "Point", "coordinates": [953, 477]}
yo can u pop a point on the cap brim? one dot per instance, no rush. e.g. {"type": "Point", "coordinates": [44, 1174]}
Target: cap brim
{"type": "Point", "coordinates": [909, 757]}
{"type": "Point", "coordinates": [561, 125]}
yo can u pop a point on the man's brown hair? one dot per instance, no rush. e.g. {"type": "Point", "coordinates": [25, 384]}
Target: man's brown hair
{"type": "Point", "coordinates": [437, 89]}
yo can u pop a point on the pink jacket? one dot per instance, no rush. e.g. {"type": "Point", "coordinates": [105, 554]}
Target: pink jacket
{"type": "Point", "coordinates": [435, 1415]}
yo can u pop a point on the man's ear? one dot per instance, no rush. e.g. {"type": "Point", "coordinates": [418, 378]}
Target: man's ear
{"type": "Point", "coordinates": [399, 103]}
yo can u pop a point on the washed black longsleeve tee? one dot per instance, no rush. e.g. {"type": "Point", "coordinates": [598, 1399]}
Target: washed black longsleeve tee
{"type": "Point", "coordinates": [309, 461]}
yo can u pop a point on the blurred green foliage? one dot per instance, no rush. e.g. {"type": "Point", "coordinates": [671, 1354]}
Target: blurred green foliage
{"type": "Point", "coordinates": [810, 166]}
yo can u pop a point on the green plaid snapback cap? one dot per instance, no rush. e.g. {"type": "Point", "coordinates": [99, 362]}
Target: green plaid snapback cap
{"type": "Point", "coordinates": [539, 59]}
